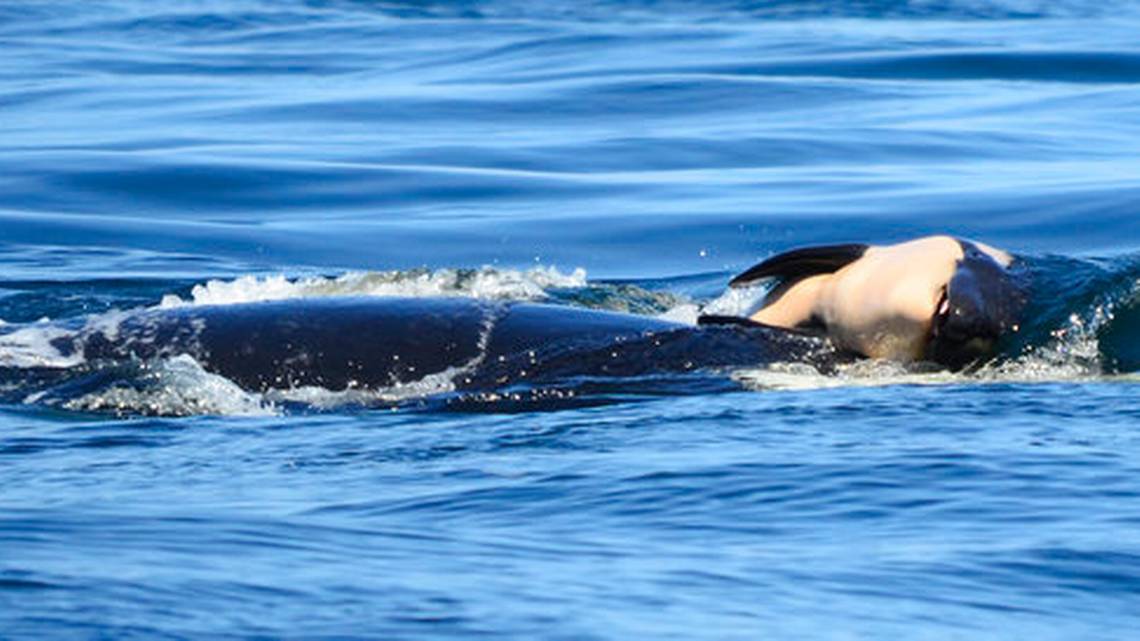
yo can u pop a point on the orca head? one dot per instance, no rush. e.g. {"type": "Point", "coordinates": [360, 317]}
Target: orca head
{"type": "Point", "coordinates": [979, 304]}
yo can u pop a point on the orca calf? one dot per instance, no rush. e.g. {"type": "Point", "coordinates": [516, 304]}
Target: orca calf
{"type": "Point", "coordinates": [938, 298]}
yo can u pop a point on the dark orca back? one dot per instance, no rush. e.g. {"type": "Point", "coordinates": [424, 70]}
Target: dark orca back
{"type": "Point", "coordinates": [339, 343]}
{"type": "Point", "coordinates": [333, 343]}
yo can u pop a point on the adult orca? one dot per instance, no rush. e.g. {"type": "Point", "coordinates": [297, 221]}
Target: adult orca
{"type": "Point", "coordinates": [938, 298]}
{"type": "Point", "coordinates": [377, 342]}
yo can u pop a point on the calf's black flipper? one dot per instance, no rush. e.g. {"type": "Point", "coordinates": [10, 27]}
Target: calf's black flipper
{"type": "Point", "coordinates": [798, 264]}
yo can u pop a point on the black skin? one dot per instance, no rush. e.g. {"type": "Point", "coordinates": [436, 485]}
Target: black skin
{"type": "Point", "coordinates": [338, 343]}
{"type": "Point", "coordinates": [981, 305]}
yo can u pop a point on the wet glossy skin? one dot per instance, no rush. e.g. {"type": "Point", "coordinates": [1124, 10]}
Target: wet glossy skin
{"type": "Point", "coordinates": [935, 298]}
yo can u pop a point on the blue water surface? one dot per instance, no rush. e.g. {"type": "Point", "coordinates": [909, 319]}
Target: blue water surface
{"type": "Point", "coordinates": [627, 155]}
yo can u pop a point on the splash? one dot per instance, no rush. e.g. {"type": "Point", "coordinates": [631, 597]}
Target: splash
{"type": "Point", "coordinates": [395, 396]}
{"type": "Point", "coordinates": [1072, 354]}
{"type": "Point", "coordinates": [735, 301]}
{"type": "Point", "coordinates": [176, 386]}
{"type": "Point", "coordinates": [801, 376]}
{"type": "Point", "coordinates": [34, 346]}
{"type": "Point", "coordinates": [1080, 334]}
{"type": "Point", "coordinates": [486, 283]}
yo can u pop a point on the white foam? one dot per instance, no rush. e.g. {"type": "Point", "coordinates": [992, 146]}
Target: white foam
{"type": "Point", "coordinates": [685, 313]}
{"type": "Point", "coordinates": [801, 376]}
{"type": "Point", "coordinates": [321, 398]}
{"type": "Point", "coordinates": [174, 387]}
{"type": "Point", "coordinates": [737, 301]}
{"type": "Point", "coordinates": [487, 283]}
{"type": "Point", "coordinates": [1073, 355]}
{"type": "Point", "coordinates": [32, 347]}
{"type": "Point", "coordinates": [734, 301]}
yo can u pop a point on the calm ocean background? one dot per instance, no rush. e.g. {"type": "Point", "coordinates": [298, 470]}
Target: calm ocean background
{"type": "Point", "coordinates": [620, 154]}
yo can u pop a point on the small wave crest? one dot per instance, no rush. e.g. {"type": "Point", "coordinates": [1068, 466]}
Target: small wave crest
{"type": "Point", "coordinates": [180, 386]}
{"type": "Point", "coordinates": [486, 282]}
{"type": "Point", "coordinates": [733, 301]}
{"type": "Point", "coordinates": [177, 386]}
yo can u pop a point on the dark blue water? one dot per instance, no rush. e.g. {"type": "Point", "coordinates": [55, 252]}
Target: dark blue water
{"type": "Point", "coordinates": [626, 155]}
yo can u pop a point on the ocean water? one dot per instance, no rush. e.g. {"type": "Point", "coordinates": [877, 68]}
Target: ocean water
{"type": "Point", "coordinates": [626, 155]}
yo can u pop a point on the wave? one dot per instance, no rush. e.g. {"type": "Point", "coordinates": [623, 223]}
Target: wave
{"type": "Point", "coordinates": [486, 282]}
{"type": "Point", "coordinates": [177, 386]}
{"type": "Point", "coordinates": [719, 9]}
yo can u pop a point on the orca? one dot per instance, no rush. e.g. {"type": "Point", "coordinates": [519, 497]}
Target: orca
{"type": "Point", "coordinates": [341, 343]}
{"type": "Point", "coordinates": [939, 299]}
